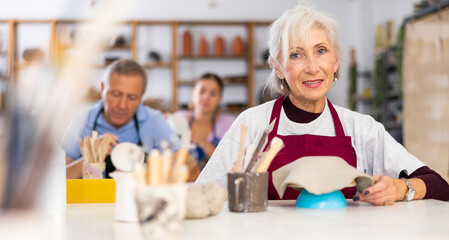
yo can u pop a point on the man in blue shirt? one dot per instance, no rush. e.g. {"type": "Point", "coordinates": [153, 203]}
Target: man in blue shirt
{"type": "Point", "coordinates": [120, 115]}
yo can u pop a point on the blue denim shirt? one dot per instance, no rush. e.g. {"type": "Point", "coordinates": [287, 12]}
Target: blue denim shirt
{"type": "Point", "coordinates": [153, 130]}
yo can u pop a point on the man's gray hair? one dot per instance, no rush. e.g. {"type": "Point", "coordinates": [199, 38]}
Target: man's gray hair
{"type": "Point", "coordinates": [290, 29]}
{"type": "Point", "coordinates": [126, 67]}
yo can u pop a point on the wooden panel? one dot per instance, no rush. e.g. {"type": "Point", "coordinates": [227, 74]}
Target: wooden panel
{"type": "Point", "coordinates": [155, 22]}
{"type": "Point", "coordinates": [11, 49]}
{"type": "Point", "coordinates": [52, 47]}
{"type": "Point", "coordinates": [251, 68]}
{"type": "Point", "coordinates": [212, 22]}
{"type": "Point", "coordinates": [426, 90]}
{"type": "Point", "coordinates": [134, 40]}
{"type": "Point", "coordinates": [174, 67]}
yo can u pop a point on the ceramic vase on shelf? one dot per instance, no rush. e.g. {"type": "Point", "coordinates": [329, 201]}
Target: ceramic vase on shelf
{"type": "Point", "coordinates": [202, 47]}
{"type": "Point", "coordinates": [187, 44]}
{"type": "Point", "coordinates": [219, 47]}
{"type": "Point", "coordinates": [237, 47]}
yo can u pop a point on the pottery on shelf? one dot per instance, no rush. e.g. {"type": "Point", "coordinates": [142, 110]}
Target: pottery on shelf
{"type": "Point", "coordinates": [187, 44]}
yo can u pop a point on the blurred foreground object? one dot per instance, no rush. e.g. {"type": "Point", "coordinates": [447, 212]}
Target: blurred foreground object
{"type": "Point", "coordinates": [33, 55]}
{"type": "Point", "coordinates": [37, 113]}
{"type": "Point", "coordinates": [205, 200]}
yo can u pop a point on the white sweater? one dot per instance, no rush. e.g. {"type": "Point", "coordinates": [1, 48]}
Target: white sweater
{"type": "Point", "coordinates": [377, 152]}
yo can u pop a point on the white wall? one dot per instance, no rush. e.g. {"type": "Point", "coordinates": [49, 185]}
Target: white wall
{"type": "Point", "coordinates": [357, 19]}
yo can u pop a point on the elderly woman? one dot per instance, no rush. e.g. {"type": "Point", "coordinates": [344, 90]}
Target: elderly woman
{"type": "Point", "coordinates": [304, 56]}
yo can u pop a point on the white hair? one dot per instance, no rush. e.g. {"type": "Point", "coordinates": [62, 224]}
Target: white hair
{"type": "Point", "coordinates": [290, 29]}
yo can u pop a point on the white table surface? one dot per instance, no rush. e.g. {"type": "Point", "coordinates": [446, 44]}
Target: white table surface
{"type": "Point", "coordinates": [425, 219]}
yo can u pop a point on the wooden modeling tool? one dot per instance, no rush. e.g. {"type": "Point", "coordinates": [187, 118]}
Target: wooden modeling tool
{"type": "Point", "coordinates": [275, 146]}
{"type": "Point", "coordinates": [163, 169]}
{"type": "Point", "coordinates": [183, 174]}
{"type": "Point", "coordinates": [259, 148]}
{"type": "Point", "coordinates": [166, 165]}
{"type": "Point", "coordinates": [139, 174]}
{"type": "Point", "coordinates": [180, 160]}
{"type": "Point", "coordinates": [81, 145]}
{"type": "Point", "coordinates": [89, 149]}
{"type": "Point", "coordinates": [243, 133]}
{"type": "Point", "coordinates": [154, 167]}
{"type": "Point", "coordinates": [94, 136]}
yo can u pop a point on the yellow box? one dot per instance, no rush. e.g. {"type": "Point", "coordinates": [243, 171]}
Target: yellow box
{"type": "Point", "coordinates": [90, 190]}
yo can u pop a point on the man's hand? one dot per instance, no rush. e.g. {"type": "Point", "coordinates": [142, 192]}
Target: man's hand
{"type": "Point", "coordinates": [112, 141]}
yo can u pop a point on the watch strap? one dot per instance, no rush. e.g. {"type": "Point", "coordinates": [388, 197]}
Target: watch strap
{"type": "Point", "coordinates": [411, 191]}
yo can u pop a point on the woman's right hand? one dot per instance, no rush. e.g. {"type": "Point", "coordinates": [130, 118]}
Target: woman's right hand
{"type": "Point", "coordinates": [385, 191]}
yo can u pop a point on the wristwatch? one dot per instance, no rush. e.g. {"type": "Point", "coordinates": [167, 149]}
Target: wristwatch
{"type": "Point", "coordinates": [411, 191]}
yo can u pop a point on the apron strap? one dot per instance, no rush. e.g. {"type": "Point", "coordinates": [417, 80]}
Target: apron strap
{"type": "Point", "coordinates": [337, 123]}
{"type": "Point", "coordinates": [275, 113]}
{"type": "Point", "coordinates": [136, 123]}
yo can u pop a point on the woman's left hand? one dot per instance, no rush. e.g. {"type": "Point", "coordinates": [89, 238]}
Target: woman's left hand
{"type": "Point", "coordinates": [383, 192]}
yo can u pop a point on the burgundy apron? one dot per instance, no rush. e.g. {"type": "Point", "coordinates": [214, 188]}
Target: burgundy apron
{"type": "Point", "coordinates": [297, 146]}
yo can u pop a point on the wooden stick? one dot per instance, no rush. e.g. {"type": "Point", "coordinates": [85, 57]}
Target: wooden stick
{"type": "Point", "coordinates": [94, 136]}
{"type": "Point", "coordinates": [275, 146]}
{"type": "Point", "coordinates": [148, 172]}
{"type": "Point", "coordinates": [97, 150]}
{"type": "Point", "coordinates": [182, 174]}
{"type": "Point", "coordinates": [139, 174]}
{"type": "Point", "coordinates": [166, 165]}
{"type": "Point", "coordinates": [181, 156]}
{"type": "Point", "coordinates": [95, 145]}
{"type": "Point", "coordinates": [154, 167]}
{"type": "Point", "coordinates": [81, 145]}
{"type": "Point", "coordinates": [104, 147]}
{"type": "Point", "coordinates": [88, 146]}
{"type": "Point", "coordinates": [243, 133]}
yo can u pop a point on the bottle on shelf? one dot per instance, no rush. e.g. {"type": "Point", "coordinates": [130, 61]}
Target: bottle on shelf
{"type": "Point", "coordinates": [237, 47]}
{"type": "Point", "coordinates": [202, 47]}
{"type": "Point", "coordinates": [187, 44]}
{"type": "Point", "coordinates": [219, 47]}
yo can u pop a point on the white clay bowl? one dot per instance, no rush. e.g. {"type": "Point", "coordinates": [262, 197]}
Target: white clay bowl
{"type": "Point", "coordinates": [126, 155]}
